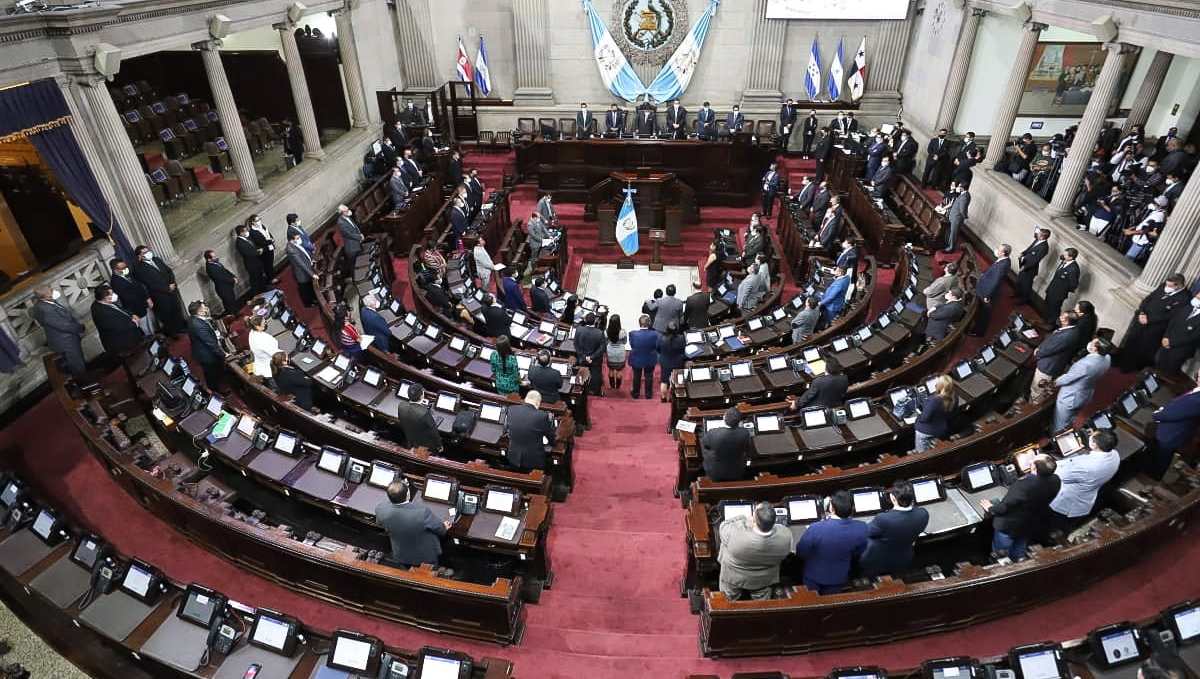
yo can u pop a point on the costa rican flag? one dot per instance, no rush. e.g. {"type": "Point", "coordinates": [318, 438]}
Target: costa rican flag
{"type": "Point", "coordinates": [483, 74]}
{"type": "Point", "coordinates": [858, 72]}
{"type": "Point", "coordinates": [835, 74]}
{"type": "Point", "coordinates": [626, 230]}
{"type": "Point", "coordinates": [812, 76]}
{"type": "Point", "coordinates": [462, 63]}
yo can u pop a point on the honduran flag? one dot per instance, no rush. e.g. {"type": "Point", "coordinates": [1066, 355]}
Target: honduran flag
{"type": "Point", "coordinates": [858, 72]}
{"type": "Point", "coordinates": [462, 63]}
{"type": "Point", "coordinates": [812, 75]}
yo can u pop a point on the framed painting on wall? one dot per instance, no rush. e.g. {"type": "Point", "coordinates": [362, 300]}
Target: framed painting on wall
{"type": "Point", "coordinates": [1063, 75]}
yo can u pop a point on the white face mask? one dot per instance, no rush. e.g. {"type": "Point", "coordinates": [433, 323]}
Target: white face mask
{"type": "Point", "coordinates": [55, 294]}
{"type": "Point", "coordinates": [1196, 302]}
{"type": "Point", "coordinates": [112, 299]}
{"type": "Point", "coordinates": [147, 255]}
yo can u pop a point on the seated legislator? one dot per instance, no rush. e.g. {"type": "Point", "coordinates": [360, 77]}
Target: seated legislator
{"type": "Point", "coordinates": [829, 547]}
{"type": "Point", "coordinates": [414, 531]}
{"type": "Point", "coordinates": [545, 379]}
{"type": "Point", "coordinates": [752, 547]}
{"type": "Point", "coordinates": [945, 315]}
{"type": "Point", "coordinates": [416, 422]}
{"type": "Point", "coordinates": [292, 381]}
{"type": "Point", "coordinates": [724, 450]}
{"type": "Point", "coordinates": [890, 535]}
{"type": "Point", "coordinates": [1023, 510]}
{"type": "Point", "coordinates": [530, 431]}
{"type": "Point", "coordinates": [827, 390]}
{"type": "Point", "coordinates": [1082, 476]}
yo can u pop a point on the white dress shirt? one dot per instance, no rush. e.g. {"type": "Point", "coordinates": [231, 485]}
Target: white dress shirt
{"type": "Point", "coordinates": [263, 345]}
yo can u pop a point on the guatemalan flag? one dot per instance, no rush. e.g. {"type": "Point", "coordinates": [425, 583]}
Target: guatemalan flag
{"type": "Point", "coordinates": [835, 74]}
{"type": "Point", "coordinates": [615, 71]}
{"type": "Point", "coordinates": [812, 76]}
{"type": "Point", "coordinates": [626, 230]}
{"type": "Point", "coordinates": [483, 74]}
{"type": "Point", "coordinates": [463, 63]}
{"type": "Point", "coordinates": [675, 75]}
{"type": "Point", "coordinates": [858, 72]}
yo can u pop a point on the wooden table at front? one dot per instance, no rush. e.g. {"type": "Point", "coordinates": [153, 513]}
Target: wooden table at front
{"type": "Point", "coordinates": [721, 173]}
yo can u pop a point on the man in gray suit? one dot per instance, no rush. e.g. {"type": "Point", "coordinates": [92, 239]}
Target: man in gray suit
{"type": "Point", "coordinates": [545, 209]}
{"type": "Point", "coordinates": [751, 290]}
{"type": "Point", "coordinates": [666, 309]}
{"type": "Point", "coordinates": [956, 212]}
{"type": "Point", "coordinates": [805, 322]}
{"type": "Point", "coordinates": [537, 235]}
{"type": "Point", "coordinates": [935, 292]}
{"type": "Point", "coordinates": [64, 334]}
{"type": "Point", "coordinates": [484, 266]}
{"type": "Point", "coordinates": [398, 188]}
{"type": "Point", "coordinates": [1076, 386]}
{"type": "Point", "coordinates": [352, 238]}
{"type": "Point", "coordinates": [302, 268]}
{"type": "Point", "coordinates": [413, 529]}
{"type": "Point", "coordinates": [751, 550]}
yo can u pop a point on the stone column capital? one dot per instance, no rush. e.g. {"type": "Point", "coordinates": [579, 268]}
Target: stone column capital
{"type": "Point", "coordinates": [1035, 26]}
{"type": "Point", "coordinates": [978, 12]}
{"type": "Point", "coordinates": [207, 45]}
{"type": "Point", "coordinates": [284, 26]}
{"type": "Point", "coordinates": [1120, 47]}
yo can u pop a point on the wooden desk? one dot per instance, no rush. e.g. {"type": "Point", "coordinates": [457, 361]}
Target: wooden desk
{"type": "Point", "coordinates": [661, 201]}
{"type": "Point", "coordinates": [721, 173]}
{"type": "Point", "coordinates": [880, 227]}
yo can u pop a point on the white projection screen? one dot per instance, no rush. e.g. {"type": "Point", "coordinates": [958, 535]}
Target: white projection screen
{"type": "Point", "coordinates": [837, 9]}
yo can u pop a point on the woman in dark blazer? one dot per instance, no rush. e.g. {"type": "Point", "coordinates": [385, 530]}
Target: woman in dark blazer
{"type": "Point", "coordinates": [936, 413]}
{"type": "Point", "coordinates": [292, 381]}
{"type": "Point", "coordinates": [670, 356]}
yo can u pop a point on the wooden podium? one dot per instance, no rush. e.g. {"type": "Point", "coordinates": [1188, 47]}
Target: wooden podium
{"type": "Point", "coordinates": [657, 236]}
{"type": "Point", "coordinates": [662, 202]}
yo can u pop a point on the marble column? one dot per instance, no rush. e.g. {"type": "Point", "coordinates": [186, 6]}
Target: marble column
{"type": "Point", "coordinates": [348, 49]}
{"type": "Point", "coordinates": [1090, 125]}
{"type": "Point", "coordinates": [300, 94]}
{"type": "Point", "coordinates": [531, 41]}
{"type": "Point", "coordinates": [1010, 99]}
{"type": "Point", "coordinates": [231, 122]}
{"type": "Point", "coordinates": [764, 71]}
{"type": "Point", "coordinates": [886, 71]}
{"type": "Point", "coordinates": [959, 68]}
{"type": "Point", "coordinates": [96, 105]}
{"type": "Point", "coordinates": [1177, 246]}
{"type": "Point", "coordinates": [1147, 94]}
{"type": "Point", "coordinates": [416, 52]}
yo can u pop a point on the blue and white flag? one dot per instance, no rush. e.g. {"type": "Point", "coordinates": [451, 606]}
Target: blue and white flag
{"type": "Point", "coordinates": [615, 71]}
{"type": "Point", "coordinates": [483, 74]}
{"type": "Point", "coordinates": [675, 75]}
{"type": "Point", "coordinates": [626, 230]}
{"type": "Point", "coordinates": [812, 76]}
{"type": "Point", "coordinates": [835, 74]}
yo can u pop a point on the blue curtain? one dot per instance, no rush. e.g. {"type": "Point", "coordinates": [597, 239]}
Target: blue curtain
{"type": "Point", "coordinates": [38, 109]}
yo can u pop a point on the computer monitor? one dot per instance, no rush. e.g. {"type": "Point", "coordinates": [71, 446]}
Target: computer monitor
{"type": "Point", "coordinates": [214, 405]}
{"type": "Point", "coordinates": [693, 337]}
{"type": "Point", "coordinates": [87, 551]}
{"type": "Point", "coordinates": [446, 402]}
{"type": "Point", "coordinates": [285, 443]}
{"type": "Point", "coordinates": [524, 361]}
{"type": "Point", "coordinates": [815, 417]}
{"type": "Point", "coordinates": [803, 509]}
{"type": "Point", "coordinates": [735, 509]}
{"type": "Point", "coordinates": [858, 673]}
{"type": "Point", "coordinates": [299, 331]}
{"type": "Point", "coordinates": [1116, 645]}
{"type": "Point", "coordinates": [701, 374]}
{"type": "Point", "coordinates": [274, 632]}
{"type": "Point", "coordinates": [490, 412]}
{"type": "Point", "coordinates": [372, 377]}
{"type": "Point", "coordinates": [867, 501]}
{"type": "Point", "coordinates": [858, 408]}
{"type": "Point", "coordinates": [439, 488]}
{"type": "Point", "coordinates": [742, 369]}
{"type": "Point", "coordinates": [189, 386]}
{"type": "Point", "coordinates": [812, 354]}
{"type": "Point", "coordinates": [1150, 383]}
{"type": "Point", "coordinates": [841, 344]}
{"type": "Point", "coordinates": [332, 460]}
{"type": "Point", "coordinates": [884, 321]}
{"type": "Point", "coordinates": [140, 581]}
{"type": "Point", "coordinates": [714, 423]}
{"type": "Point", "coordinates": [382, 475]}
{"type": "Point", "coordinates": [963, 370]}
{"type": "Point", "coordinates": [1129, 403]}
{"type": "Point", "coordinates": [755, 324]}
{"type": "Point", "coordinates": [979, 476]}
{"type": "Point", "coordinates": [1038, 661]}
{"type": "Point", "coordinates": [438, 664]}
{"type": "Point", "coordinates": [777, 363]}
{"type": "Point", "coordinates": [11, 493]}
{"type": "Point", "coordinates": [898, 396]}
{"type": "Point", "coordinates": [1102, 420]}
{"type": "Point", "coordinates": [432, 332]}
{"type": "Point", "coordinates": [864, 333]}
{"type": "Point", "coordinates": [766, 424]}
{"type": "Point", "coordinates": [1184, 621]}
{"type": "Point", "coordinates": [200, 605]}
{"type": "Point", "coordinates": [927, 490]}
{"type": "Point", "coordinates": [1068, 443]}
{"type": "Point", "coordinates": [341, 362]}
{"type": "Point", "coordinates": [501, 500]}
{"type": "Point", "coordinates": [1005, 339]}
{"type": "Point", "coordinates": [950, 668]}
{"type": "Point", "coordinates": [246, 425]}
{"type": "Point", "coordinates": [355, 653]}
{"type": "Point", "coordinates": [988, 354]}
{"type": "Point", "coordinates": [45, 524]}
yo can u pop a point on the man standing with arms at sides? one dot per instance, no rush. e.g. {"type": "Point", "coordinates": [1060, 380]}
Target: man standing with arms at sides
{"type": "Point", "coordinates": [545, 210]}
{"type": "Point", "coordinates": [539, 297]}
{"type": "Point", "coordinates": [677, 120]}
{"type": "Point", "coordinates": [824, 147]}
{"type": "Point", "coordinates": [159, 279]}
{"type": "Point", "coordinates": [643, 356]}
{"type": "Point", "coordinates": [787, 119]}
{"type": "Point", "coordinates": [695, 308]}
{"type": "Point", "coordinates": [706, 121]}
{"type": "Point", "coordinates": [352, 239]}
{"type": "Point", "coordinates": [770, 187]}
{"type": "Point", "coordinates": [1029, 261]}
{"type": "Point", "coordinates": [484, 266]}
{"type": "Point", "coordinates": [590, 344]}
{"type": "Point", "coordinates": [811, 125]}
{"type": "Point", "coordinates": [751, 550]}
{"type": "Point", "coordinates": [1076, 386]}
{"type": "Point", "coordinates": [666, 309]}
{"type": "Point", "coordinates": [583, 122]}
{"type": "Point", "coordinates": [891, 534]}
{"type": "Point", "coordinates": [414, 531]}
{"type": "Point", "coordinates": [935, 160]}
{"type": "Point", "coordinates": [251, 256]}
{"type": "Point", "coordinates": [989, 286]}
{"type": "Point", "coordinates": [416, 422]}
{"type": "Point", "coordinates": [875, 153]}
{"type": "Point", "coordinates": [1024, 507]}
{"type": "Point", "coordinates": [1144, 336]}
{"type": "Point", "coordinates": [956, 214]}
{"type": "Point", "coordinates": [545, 379]}
{"type": "Point", "coordinates": [647, 122]}
{"type": "Point", "coordinates": [820, 202]}
{"type": "Point", "coordinates": [134, 296]}
{"type": "Point", "coordinates": [612, 122]}
{"type": "Point", "coordinates": [735, 120]}
{"type": "Point", "coordinates": [724, 450]}
{"type": "Point", "coordinates": [831, 546]}
{"type": "Point", "coordinates": [1063, 283]}
{"type": "Point", "coordinates": [803, 199]}
{"type": "Point", "coordinates": [530, 431]}
{"type": "Point", "coordinates": [294, 228]}
{"type": "Point", "coordinates": [118, 330]}
{"type": "Point", "coordinates": [1178, 422]}
{"type": "Point", "coordinates": [224, 282]}
{"type": "Point", "coordinates": [64, 334]}
{"type": "Point", "coordinates": [206, 346]}
{"type": "Point", "coordinates": [906, 153]}
{"type": "Point", "coordinates": [301, 262]}
{"type": "Point", "coordinates": [1181, 339]}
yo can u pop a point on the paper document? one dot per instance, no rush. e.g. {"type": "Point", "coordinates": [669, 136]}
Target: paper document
{"type": "Point", "coordinates": [365, 341]}
{"type": "Point", "coordinates": [507, 529]}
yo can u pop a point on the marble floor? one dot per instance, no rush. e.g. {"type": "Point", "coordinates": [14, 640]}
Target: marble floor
{"type": "Point", "coordinates": [624, 290]}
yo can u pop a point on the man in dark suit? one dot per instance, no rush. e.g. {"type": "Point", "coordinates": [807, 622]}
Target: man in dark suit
{"type": "Point", "coordinates": [416, 423]}
{"type": "Point", "coordinates": [831, 226]}
{"type": "Point", "coordinates": [803, 199]}
{"type": "Point", "coordinates": [841, 125]}
{"type": "Point", "coordinates": [848, 258]}
{"type": "Point", "coordinates": [530, 431]}
{"type": "Point", "coordinates": [584, 122]}
{"type": "Point", "coordinates": [539, 297]}
{"type": "Point", "coordinates": [936, 154]}
{"type": "Point", "coordinates": [374, 324]}
{"type": "Point", "coordinates": [410, 170]}
{"type": "Point", "coordinates": [590, 344]}
{"type": "Point", "coordinates": [906, 153]}
{"type": "Point", "coordinates": [301, 264]}
{"type": "Point", "coordinates": [545, 379]}
{"type": "Point", "coordinates": [352, 239]}
{"type": "Point", "coordinates": [292, 381]}
{"type": "Point", "coordinates": [118, 330]}
{"type": "Point", "coordinates": [695, 307]}
{"type": "Point", "coordinates": [956, 213]}
{"type": "Point", "coordinates": [264, 242]}
{"type": "Point", "coordinates": [820, 202]}
{"type": "Point", "coordinates": [1144, 336]}
{"type": "Point", "coordinates": [821, 152]}
{"type": "Point", "coordinates": [224, 282]}
{"type": "Point", "coordinates": [411, 115]}
{"type": "Point", "coordinates": [436, 295]}
{"type": "Point", "coordinates": [643, 356]}
{"type": "Point", "coordinates": [511, 295]}
{"type": "Point", "coordinates": [396, 135]}
{"type": "Point", "coordinates": [495, 319]}
{"type": "Point", "coordinates": [811, 125]}
{"type": "Point", "coordinates": [1181, 338]}
{"type": "Point", "coordinates": [735, 120]}
{"type": "Point", "coordinates": [891, 534]}
{"type": "Point", "coordinates": [831, 546]}
{"type": "Point", "coordinates": [706, 123]}
{"type": "Point", "coordinates": [159, 279]}
{"type": "Point", "coordinates": [967, 147]}
{"type": "Point", "coordinates": [398, 189]}
{"type": "Point", "coordinates": [134, 296]}
{"type": "Point", "coordinates": [454, 169]}
{"type": "Point", "coordinates": [295, 228]}
{"type": "Point", "coordinates": [251, 259]}
{"type": "Point", "coordinates": [1053, 355]}
{"type": "Point", "coordinates": [1029, 262]}
{"type": "Point", "coordinates": [475, 190]}
{"type": "Point", "coordinates": [988, 287]}
{"type": "Point", "coordinates": [677, 120]}
{"type": "Point", "coordinates": [944, 315]}
{"type": "Point", "coordinates": [787, 120]}
{"type": "Point", "coordinates": [875, 153]}
{"type": "Point", "coordinates": [414, 531]}
{"type": "Point", "coordinates": [1023, 510]}
{"type": "Point", "coordinates": [724, 450]}
{"type": "Point", "coordinates": [293, 142]}
{"type": "Point", "coordinates": [1064, 281]}
{"type": "Point", "coordinates": [64, 334]}
{"type": "Point", "coordinates": [1177, 424]}
{"type": "Point", "coordinates": [881, 182]}
{"type": "Point", "coordinates": [770, 187]}
{"type": "Point", "coordinates": [459, 221]}
{"type": "Point", "coordinates": [826, 390]}
{"type": "Point", "coordinates": [206, 346]}
{"type": "Point", "coordinates": [647, 121]}
{"type": "Point", "coordinates": [613, 122]}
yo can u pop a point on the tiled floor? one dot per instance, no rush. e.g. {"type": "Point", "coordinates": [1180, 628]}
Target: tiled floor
{"type": "Point", "coordinates": [624, 290]}
{"type": "Point", "coordinates": [29, 650]}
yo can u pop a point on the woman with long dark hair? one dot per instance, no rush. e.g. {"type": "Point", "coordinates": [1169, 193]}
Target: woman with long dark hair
{"type": "Point", "coordinates": [347, 335]}
{"type": "Point", "coordinates": [505, 371]}
{"type": "Point", "coordinates": [671, 356]}
{"type": "Point", "coordinates": [615, 351]}
{"type": "Point", "coordinates": [568, 313]}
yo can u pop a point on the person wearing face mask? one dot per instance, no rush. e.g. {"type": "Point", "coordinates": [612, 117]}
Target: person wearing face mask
{"type": "Point", "coordinates": [875, 153]}
{"type": "Point", "coordinates": [734, 121]}
{"type": "Point", "coordinates": [936, 154]}
{"type": "Point", "coordinates": [677, 120]}
{"type": "Point", "coordinates": [1145, 333]}
{"type": "Point", "coordinates": [811, 125]}
{"type": "Point", "coordinates": [251, 256]}
{"type": "Point", "coordinates": [159, 279]}
{"type": "Point", "coordinates": [1177, 423]}
{"type": "Point", "coordinates": [295, 228]}
{"type": "Point", "coordinates": [906, 153]}
{"type": "Point", "coordinates": [1172, 189]}
{"type": "Point", "coordinates": [206, 345]}
{"type": "Point", "coordinates": [787, 119]}
{"type": "Point", "coordinates": [770, 187]}
{"type": "Point", "coordinates": [1064, 281]}
{"type": "Point", "coordinates": [881, 181]}
{"type": "Point", "coordinates": [224, 281]}
{"type": "Point", "coordinates": [706, 123]}
{"type": "Point", "coordinates": [301, 262]}
{"type": "Point", "coordinates": [118, 330]}
{"type": "Point", "coordinates": [1181, 338]}
{"type": "Point", "coordinates": [1030, 261]}
{"type": "Point", "coordinates": [584, 122]}
{"type": "Point", "coordinates": [264, 242]}
{"type": "Point", "coordinates": [133, 296]}
{"type": "Point", "coordinates": [956, 214]}
{"type": "Point", "coordinates": [64, 334]}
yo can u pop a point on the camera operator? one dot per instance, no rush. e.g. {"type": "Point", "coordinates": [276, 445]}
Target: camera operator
{"type": "Point", "coordinates": [1131, 156]}
{"type": "Point", "coordinates": [1043, 166]}
{"type": "Point", "coordinates": [1143, 236]}
{"type": "Point", "coordinates": [1016, 162]}
{"type": "Point", "coordinates": [1105, 210]}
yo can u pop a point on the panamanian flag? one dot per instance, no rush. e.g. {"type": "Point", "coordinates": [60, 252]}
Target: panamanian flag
{"type": "Point", "coordinates": [462, 63]}
{"type": "Point", "coordinates": [858, 72]}
{"type": "Point", "coordinates": [626, 231]}
{"type": "Point", "coordinates": [812, 75]}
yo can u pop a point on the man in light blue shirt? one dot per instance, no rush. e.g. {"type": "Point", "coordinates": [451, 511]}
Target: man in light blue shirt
{"type": "Point", "coordinates": [1082, 476]}
{"type": "Point", "coordinates": [1076, 386]}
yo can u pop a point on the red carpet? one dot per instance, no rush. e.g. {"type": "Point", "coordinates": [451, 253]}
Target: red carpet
{"type": "Point", "coordinates": [618, 549]}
